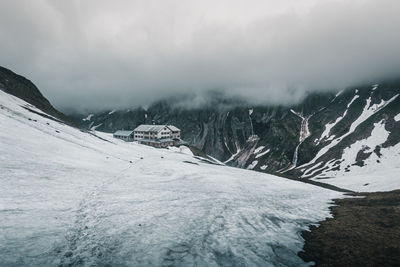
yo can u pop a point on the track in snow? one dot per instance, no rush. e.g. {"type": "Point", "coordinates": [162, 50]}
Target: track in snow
{"type": "Point", "coordinates": [86, 243]}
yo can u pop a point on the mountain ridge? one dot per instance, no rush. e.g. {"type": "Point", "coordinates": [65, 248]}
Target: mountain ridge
{"type": "Point", "coordinates": [267, 138]}
{"type": "Point", "coordinates": [25, 89]}
{"type": "Point", "coordinates": [324, 137]}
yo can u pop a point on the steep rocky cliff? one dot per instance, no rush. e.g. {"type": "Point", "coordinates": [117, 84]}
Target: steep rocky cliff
{"type": "Point", "coordinates": [306, 140]}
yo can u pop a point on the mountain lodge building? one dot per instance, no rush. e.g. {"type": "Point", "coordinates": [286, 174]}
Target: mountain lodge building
{"type": "Point", "coordinates": [153, 135]}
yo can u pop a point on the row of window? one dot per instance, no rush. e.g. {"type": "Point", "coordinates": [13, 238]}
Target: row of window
{"type": "Point", "coordinates": [122, 137]}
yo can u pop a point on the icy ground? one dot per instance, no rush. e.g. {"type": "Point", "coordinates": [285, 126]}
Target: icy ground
{"type": "Point", "coordinates": [74, 198]}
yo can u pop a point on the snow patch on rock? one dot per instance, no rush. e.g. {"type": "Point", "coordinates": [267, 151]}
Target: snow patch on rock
{"type": "Point", "coordinates": [379, 171]}
{"type": "Point", "coordinates": [264, 167]}
{"type": "Point", "coordinates": [258, 149]}
{"type": "Point", "coordinates": [397, 117]}
{"type": "Point", "coordinates": [263, 153]}
{"type": "Point", "coordinates": [367, 112]}
{"type": "Point", "coordinates": [88, 118]}
{"type": "Point", "coordinates": [329, 126]}
{"type": "Point", "coordinates": [252, 165]}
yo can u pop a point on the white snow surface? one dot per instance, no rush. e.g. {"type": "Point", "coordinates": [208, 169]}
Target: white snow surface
{"type": "Point", "coordinates": [329, 126]}
{"type": "Point", "coordinates": [238, 150]}
{"type": "Point", "coordinates": [258, 149]}
{"type": "Point", "coordinates": [181, 149]}
{"type": "Point", "coordinates": [367, 112]}
{"type": "Point", "coordinates": [379, 173]}
{"type": "Point", "coordinates": [397, 117]}
{"type": "Point", "coordinates": [252, 165]}
{"type": "Point", "coordinates": [339, 93]}
{"type": "Point", "coordinates": [262, 153]}
{"type": "Point", "coordinates": [95, 127]}
{"type": "Point", "coordinates": [74, 198]}
{"type": "Point", "coordinates": [88, 118]}
{"type": "Point", "coordinates": [264, 167]}
{"type": "Point", "coordinates": [312, 170]}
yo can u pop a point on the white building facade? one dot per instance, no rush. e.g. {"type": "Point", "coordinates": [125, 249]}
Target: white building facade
{"type": "Point", "coordinates": [157, 135]}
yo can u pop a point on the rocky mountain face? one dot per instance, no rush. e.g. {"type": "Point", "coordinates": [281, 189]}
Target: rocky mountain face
{"type": "Point", "coordinates": [327, 135]}
{"type": "Point", "coordinates": [360, 127]}
{"type": "Point", "coordinates": [23, 88]}
{"type": "Point", "coordinates": [306, 140]}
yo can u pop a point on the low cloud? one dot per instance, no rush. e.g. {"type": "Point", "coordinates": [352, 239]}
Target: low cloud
{"type": "Point", "coordinates": [105, 54]}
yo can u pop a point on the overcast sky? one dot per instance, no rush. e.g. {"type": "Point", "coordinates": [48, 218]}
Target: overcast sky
{"type": "Point", "coordinates": [120, 53]}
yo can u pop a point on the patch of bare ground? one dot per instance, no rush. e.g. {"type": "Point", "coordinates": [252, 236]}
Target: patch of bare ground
{"type": "Point", "coordinates": [363, 232]}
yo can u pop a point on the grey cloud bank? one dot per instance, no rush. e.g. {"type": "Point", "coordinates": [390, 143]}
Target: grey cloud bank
{"type": "Point", "coordinates": [105, 54]}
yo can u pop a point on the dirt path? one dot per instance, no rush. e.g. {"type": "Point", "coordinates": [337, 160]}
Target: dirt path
{"type": "Point", "coordinates": [364, 232]}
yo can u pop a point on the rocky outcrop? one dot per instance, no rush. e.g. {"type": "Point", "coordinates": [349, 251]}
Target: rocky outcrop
{"type": "Point", "coordinates": [23, 88]}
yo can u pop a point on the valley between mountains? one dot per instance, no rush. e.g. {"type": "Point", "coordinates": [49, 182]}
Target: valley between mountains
{"type": "Point", "coordinates": [326, 137]}
{"type": "Point", "coordinates": [72, 195]}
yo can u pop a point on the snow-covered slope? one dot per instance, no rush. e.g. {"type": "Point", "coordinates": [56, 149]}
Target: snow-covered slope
{"type": "Point", "coordinates": [360, 149]}
{"type": "Point", "coordinates": [380, 171]}
{"type": "Point", "coordinates": [70, 197]}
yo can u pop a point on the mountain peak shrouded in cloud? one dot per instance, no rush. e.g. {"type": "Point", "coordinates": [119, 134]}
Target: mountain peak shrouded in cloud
{"type": "Point", "coordinates": [105, 54]}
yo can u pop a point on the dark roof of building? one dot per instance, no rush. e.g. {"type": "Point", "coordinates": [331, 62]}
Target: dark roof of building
{"type": "Point", "coordinates": [173, 128]}
{"type": "Point", "coordinates": [123, 133]}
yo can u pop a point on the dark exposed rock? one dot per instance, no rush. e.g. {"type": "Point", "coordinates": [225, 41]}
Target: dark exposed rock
{"type": "Point", "coordinates": [23, 88]}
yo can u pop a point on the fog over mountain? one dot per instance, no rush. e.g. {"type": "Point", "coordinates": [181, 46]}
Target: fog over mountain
{"type": "Point", "coordinates": [103, 54]}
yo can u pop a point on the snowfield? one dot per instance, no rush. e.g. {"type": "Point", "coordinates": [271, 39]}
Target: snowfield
{"type": "Point", "coordinates": [73, 198]}
{"type": "Point", "coordinates": [376, 173]}
{"type": "Point", "coordinates": [379, 173]}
